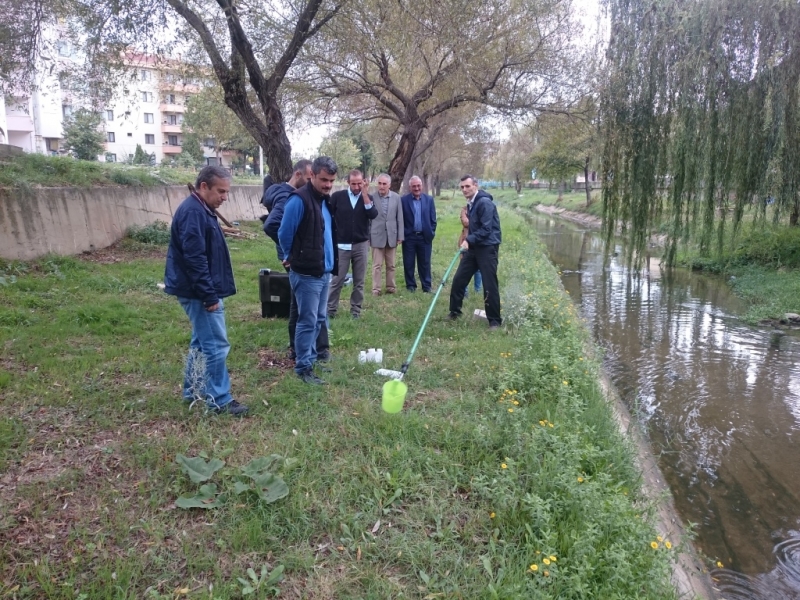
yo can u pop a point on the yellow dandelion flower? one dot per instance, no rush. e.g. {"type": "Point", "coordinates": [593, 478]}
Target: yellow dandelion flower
{"type": "Point", "coordinates": [504, 466]}
{"type": "Point", "coordinates": [553, 558]}
{"type": "Point", "coordinates": [580, 479]}
{"type": "Point", "coordinates": [565, 382]}
{"type": "Point", "coordinates": [720, 565]}
{"type": "Point", "coordinates": [510, 410]}
{"type": "Point", "coordinates": [555, 367]}
{"type": "Point", "coordinates": [458, 375]}
{"type": "Point", "coordinates": [668, 545]}
{"type": "Point", "coordinates": [547, 573]}
{"type": "Point", "coordinates": [516, 402]}
{"type": "Point", "coordinates": [542, 423]}
{"type": "Point", "coordinates": [546, 561]}
{"type": "Point", "coordinates": [538, 552]}
{"type": "Point", "coordinates": [549, 424]}
{"type": "Point", "coordinates": [654, 545]}
{"type": "Point", "coordinates": [492, 515]}
{"type": "Point", "coordinates": [534, 568]}
{"type": "Point", "coordinates": [659, 538]}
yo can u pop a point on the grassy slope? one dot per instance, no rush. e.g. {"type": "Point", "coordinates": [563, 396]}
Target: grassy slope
{"type": "Point", "coordinates": [33, 170]}
{"type": "Point", "coordinates": [505, 456]}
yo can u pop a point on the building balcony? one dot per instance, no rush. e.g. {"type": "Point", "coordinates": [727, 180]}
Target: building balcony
{"type": "Point", "coordinates": [178, 86]}
{"type": "Point", "coordinates": [170, 149]}
{"type": "Point", "coordinates": [19, 123]}
{"type": "Point", "coordinates": [171, 108]}
{"type": "Point", "coordinates": [170, 128]}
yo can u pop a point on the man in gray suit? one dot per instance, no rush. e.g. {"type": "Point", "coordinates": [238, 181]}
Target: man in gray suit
{"type": "Point", "coordinates": [385, 234]}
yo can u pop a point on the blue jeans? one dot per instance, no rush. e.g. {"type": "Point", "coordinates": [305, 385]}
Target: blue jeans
{"type": "Point", "coordinates": [478, 281]}
{"type": "Point", "coordinates": [311, 294]}
{"type": "Point", "coordinates": [209, 337]}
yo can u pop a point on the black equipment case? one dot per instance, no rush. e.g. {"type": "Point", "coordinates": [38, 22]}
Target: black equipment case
{"type": "Point", "coordinates": [275, 293]}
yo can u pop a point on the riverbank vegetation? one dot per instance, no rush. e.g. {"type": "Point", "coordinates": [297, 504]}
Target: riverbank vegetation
{"type": "Point", "coordinates": [505, 475]}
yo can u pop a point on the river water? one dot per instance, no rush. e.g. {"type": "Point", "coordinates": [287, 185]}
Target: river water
{"type": "Point", "coordinates": [719, 400]}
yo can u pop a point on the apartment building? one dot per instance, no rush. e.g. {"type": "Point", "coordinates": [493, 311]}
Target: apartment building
{"type": "Point", "coordinates": [147, 110]}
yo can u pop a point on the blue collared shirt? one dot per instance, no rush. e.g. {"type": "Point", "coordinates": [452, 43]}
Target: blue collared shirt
{"type": "Point", "coordinates": [416, 205]}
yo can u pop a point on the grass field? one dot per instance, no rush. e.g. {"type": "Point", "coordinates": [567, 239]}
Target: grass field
{"type": "Point", "coordinates": [504, 477]}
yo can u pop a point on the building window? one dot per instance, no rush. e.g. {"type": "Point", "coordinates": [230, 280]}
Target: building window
{"type": "Point", "coordinates": [148, 118]}
{"type": "Point", "coordinates": [173, 140]}
{"type": "Point", "coordinates": [110, 136]}
{"type": "Point", "coordinates": [149, 138]}
{"type": "Point", "coordinates": [147, 96]}
{"type": "Point", "coordinates": [209, 143]}
{"type": "Point", "coordinates": [111, 157]}
{"type": "Point", "coordinates": [172, 119]}
{"type": "Point", "coordinates": [186, 98]}
{"type": "Point", "coordinates": [144, 75]}
{"type": "Point", "coordinates": [169, 99]}
{"type": "Point", "coordinates": [66, 110]}
{"type": "Point", "coordinates": [109, 115]}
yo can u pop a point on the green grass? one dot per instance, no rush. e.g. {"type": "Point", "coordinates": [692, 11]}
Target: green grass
{"type": "Point", "coordinates": [575, 201]}
{"type": "Point", "coordinates": [37, 170]}
{"type": "Point", "coordinates": [505, 455]}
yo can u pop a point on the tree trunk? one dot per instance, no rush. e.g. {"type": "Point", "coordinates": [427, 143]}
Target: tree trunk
{"type": "Point", "coordinates": [793, 217]}
{"type": "Point", "coordinates": [586, 182]}
{"type": "Point", "coordinates": [437, 184]}
{"type": "Point", "coordinates": [503, 184]}
{"type": "Point", "coordinates": [402, 157]}
{"type": "Point", "coordinates": [561, 185]}
{"type": "Point", "coordinates": [517, 183]}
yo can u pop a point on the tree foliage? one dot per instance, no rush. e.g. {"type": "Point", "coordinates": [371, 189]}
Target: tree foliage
{"type": "Point", "coordinates": [425, 58]}
{"type": "Point", "coordinates": [207, 116]}
{"type": "Point", "coordinates": [343, 151]}
{"type": "Point", "coordinates": [701, 117]}
{"type": "Point", "coordinates": [82, 135]}
{"type": "Point", "coordinates": [192, 148]}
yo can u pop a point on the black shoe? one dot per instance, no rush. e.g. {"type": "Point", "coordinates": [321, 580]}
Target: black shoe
{"type": "Point", "coordinates": [355, 316]}
{"type": "Point", "coordinates": [322, 367]}
{"type": "Point", "coordinates": [494, 326]}
{"type": "Point", "coordinates": [324, 357]}
{"type": "Point", "coordinates": [412, 290]}
{"type": "Point", "coordinates": [308, 377]}
{"type": "Point", "coordinates": [452, 316]}
{"type": "Point", "coordinates": [291, 354]}
{"type": "Point", "coordinates": [232, 408]}
{"type": "Point", "coordinates": [428, 291]}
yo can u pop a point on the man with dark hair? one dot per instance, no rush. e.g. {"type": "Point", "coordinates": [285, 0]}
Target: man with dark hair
{"type": "Point", "coordinates": [199, 273]}
{"type": "Point", "coordinates": [277, 195]}
{"type": "Point", "coordinates": [307, 235]}
{"type": "Point", "coordinates": [481, 248]}
{"type": "Point", "coordinates": [353, 210]}
{"type": "Point", "coordinates": [419, 220]}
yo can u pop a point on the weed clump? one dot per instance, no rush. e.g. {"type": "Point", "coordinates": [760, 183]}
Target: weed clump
{"type": "Point", "coordinates": [155, 234]}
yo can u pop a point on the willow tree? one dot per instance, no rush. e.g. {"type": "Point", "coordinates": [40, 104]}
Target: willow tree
{"type": "Point", "coordinates": [701, 118]}
{"type": "Point", "coordinates": [410, 62]}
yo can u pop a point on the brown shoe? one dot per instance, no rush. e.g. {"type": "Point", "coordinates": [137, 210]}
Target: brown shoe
{"type": "Point", "coordinates": [374, 293]}
{"type": "Point", "coordinates": [391, 291]}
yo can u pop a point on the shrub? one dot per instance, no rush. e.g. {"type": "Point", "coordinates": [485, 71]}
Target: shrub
{"type": "Point", "coordinates": [156, 234]}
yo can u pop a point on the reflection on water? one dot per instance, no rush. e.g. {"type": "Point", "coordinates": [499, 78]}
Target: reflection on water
{"type": "Point", "coordinates": [721, 401]}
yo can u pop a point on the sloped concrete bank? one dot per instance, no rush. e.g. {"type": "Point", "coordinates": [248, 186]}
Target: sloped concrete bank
{"type": "Point", "coordinates": [73, 220]}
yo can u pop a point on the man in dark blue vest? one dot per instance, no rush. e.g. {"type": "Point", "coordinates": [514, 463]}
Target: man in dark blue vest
{"type": "Point", "coordinates": [353, 209]}
{"type": "Point", "coordinates": [419, 223]}
{"type": "Point", "coordinates": [307, 236]}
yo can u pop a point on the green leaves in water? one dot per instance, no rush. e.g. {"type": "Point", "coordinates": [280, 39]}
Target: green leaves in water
{"type": "Point", "coordinates": [260, 476]}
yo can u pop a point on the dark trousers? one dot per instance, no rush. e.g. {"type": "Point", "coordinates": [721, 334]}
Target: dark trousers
{"type": "Point", "coordinates": [483, 259]}
{"type": "Point", "coordinates": [323, 345]}
{"type": "Point", "coordinates": [416, 249]}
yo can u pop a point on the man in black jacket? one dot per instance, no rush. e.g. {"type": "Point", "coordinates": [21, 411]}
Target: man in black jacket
{"type": "Point", "coordinates": [353, 210]}
{"type": "Point", "coordinates": [199, 273]}
{"type": "Point", "coordinates": [481, 248]}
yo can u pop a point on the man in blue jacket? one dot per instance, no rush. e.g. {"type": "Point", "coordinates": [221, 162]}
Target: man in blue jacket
{"type": "Point", "coordinates": [481, 248]}
{"type": "Point", "coordinates": [419, 224]}
{"type": "Point", "coordinates": [199, 273]}
{"type": "Point", "coordinates": [308, 237]}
